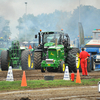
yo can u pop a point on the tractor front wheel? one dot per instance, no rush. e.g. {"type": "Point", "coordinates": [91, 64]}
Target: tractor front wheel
{"type": "Point", "coordinates": [26, 60]}
{"type": "Point", "coordinates": [62, 67]}
{"type": "Point", "coordinates": [42, 69]}
{"type": "Point", "coordinates": [37, 60]}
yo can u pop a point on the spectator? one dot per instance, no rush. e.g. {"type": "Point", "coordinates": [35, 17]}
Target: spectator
{"type": "Point", "coordinates": [84, 56]}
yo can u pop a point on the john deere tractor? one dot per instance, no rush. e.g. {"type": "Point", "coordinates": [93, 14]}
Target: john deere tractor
{"type": "Point", "coordinates": [54, 53]}
{"type": "Point", "coordinates": [16, 56]}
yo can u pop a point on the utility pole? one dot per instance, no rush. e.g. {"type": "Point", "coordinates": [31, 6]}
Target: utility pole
{"type": "Point", "coordinates": [79, 10]}
{"type": "Point", "coordinates": [25, 17]}
{"type": "Point", "coordinates": [26, 8]}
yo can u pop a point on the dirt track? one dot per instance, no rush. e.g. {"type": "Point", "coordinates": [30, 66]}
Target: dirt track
{"type": "Point", "coordinates": [67, 93]}
{"type": "Point", "coordinates": [37, 75]}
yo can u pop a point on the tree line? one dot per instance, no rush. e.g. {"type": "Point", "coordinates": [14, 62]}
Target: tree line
{"type": "Point", "coordinates": [29, 25]}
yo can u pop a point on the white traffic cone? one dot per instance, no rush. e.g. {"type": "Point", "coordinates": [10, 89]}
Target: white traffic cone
{"type": "Point", "coordinates": [66, 74]}
{"type": "Point", "coordinates": [10, 74]}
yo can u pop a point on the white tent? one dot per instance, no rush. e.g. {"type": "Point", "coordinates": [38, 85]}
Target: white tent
{"type": "Point", "coordinates": [33, 42]}
{"type": "Point", "coordinates": [25, 42]}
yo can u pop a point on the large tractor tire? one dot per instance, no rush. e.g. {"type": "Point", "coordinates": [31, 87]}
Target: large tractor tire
{"type": "Point", "coordinates": [4, 60]}
{"type": "Point", "coordinates": [88, 65]}
{"type": "Point", "coordinates": [92, 64]}
{"type": "Point", "coordinates": [37, 60]}
{"type": "Point", "coordinates": [80, 69]}
{"type": "Point", "coordinates": [72, 60]}
{"type": "Point", "coordinates": [26, 62]}
{"type": "Point", "coordinates": [42, 69]}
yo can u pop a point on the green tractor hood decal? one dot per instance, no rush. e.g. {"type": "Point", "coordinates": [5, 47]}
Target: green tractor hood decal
{"type": "Point", "coordinates": [49, 44]}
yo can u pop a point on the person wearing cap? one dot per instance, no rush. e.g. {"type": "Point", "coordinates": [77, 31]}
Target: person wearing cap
{"type": "Point", "coordinates": [84, 56]}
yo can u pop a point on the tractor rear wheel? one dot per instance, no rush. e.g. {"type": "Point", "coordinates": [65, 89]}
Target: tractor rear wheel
{"type": "Point", "coordinates": [37, 60]}
{"type": "Point", "coordinates": [72, 60]}
{"type": "Point", "coordinates": [4, 60]}
{"type": "Point", "coordinates": [26, 60]}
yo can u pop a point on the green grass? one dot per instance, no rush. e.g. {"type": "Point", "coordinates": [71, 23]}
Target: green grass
{"type": "Point", "coordinates": [36, 84]}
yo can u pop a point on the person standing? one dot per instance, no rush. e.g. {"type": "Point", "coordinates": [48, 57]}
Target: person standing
{"type": "Point", "coordinates": [84, 56]}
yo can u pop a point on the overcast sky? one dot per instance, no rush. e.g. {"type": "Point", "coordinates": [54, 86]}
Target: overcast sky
{"type": "Point", "coordinates": [13, 9]}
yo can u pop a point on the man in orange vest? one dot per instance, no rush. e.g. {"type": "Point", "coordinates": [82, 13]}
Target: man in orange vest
{"type": "Point", "coordinates": [84, 56]}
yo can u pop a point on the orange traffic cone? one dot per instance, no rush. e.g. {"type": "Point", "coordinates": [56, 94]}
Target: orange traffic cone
{"type": "Point", "coordinates": [78, 80]}
{"type": "Point", "coordinates": [24, 83]}
{"type": "Point", "coordinates": [30, 47]}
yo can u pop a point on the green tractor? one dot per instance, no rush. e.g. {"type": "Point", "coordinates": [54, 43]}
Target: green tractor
{"type": "Point", "coordinates": [54, 53]}
{"type": "Point", "coordinates": [16, 56]}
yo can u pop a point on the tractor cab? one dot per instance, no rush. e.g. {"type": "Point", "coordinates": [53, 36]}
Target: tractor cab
{"type": "Point", "coordinates": [51, 38]}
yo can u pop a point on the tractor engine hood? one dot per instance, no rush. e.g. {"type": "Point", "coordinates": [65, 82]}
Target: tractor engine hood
{"type": "Point", "coordinates": [49, 44]}
{"type": "Point", "coordinates": [56, 52]}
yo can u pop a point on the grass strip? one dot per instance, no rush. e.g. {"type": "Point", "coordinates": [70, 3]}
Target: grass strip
{"type": "Point", "coordinates": [36, 84]}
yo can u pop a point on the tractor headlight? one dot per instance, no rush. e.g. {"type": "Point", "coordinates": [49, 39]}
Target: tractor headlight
{"type": "Point", "coordinates": [45, 47]}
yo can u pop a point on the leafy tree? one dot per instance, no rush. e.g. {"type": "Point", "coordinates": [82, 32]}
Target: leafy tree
{"type": "Point", "coordinates": [89, 17]}
{"type": "Point", "coordinates": [4, 28]}
{"type": "Point", "coordinates": [29, 25]}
